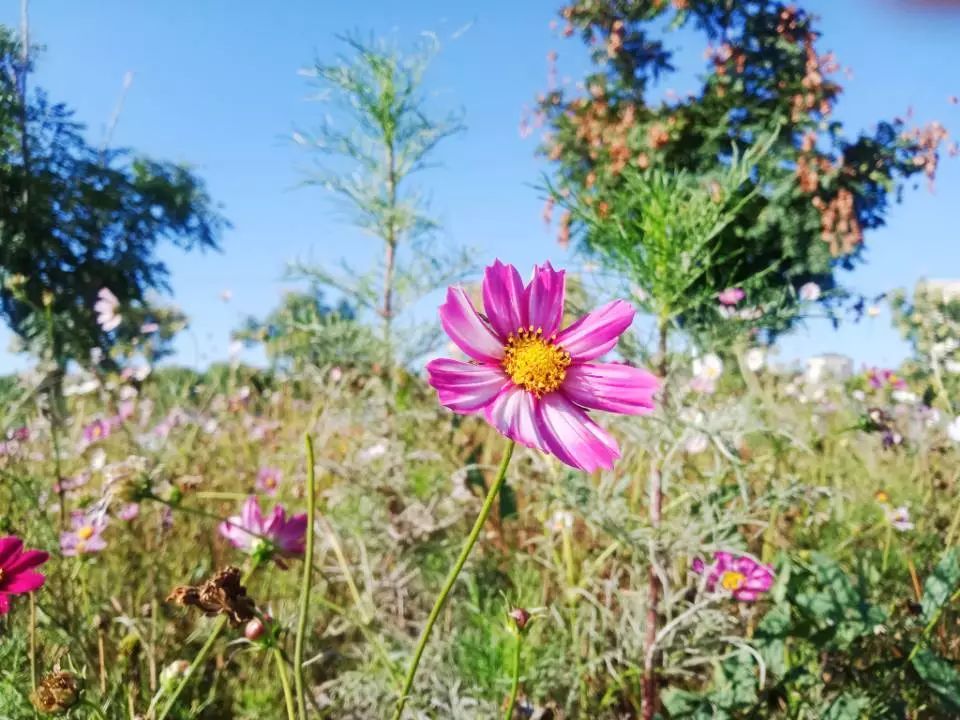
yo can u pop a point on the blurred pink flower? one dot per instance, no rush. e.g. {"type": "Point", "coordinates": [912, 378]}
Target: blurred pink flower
{"type": "Point", "coordinates": [268, 480]}
{"type": "Point", "coordinates": [251, 532]}
{"type": "Point", "coordinates": [99, 429]}
{"type": "Point", "coordinates": [742, 576]}
{"type": "Point", "coordinates": [17, 575]}
{"type": "Point", "coordinates": [106, 308]}
{"type": "Point", "coordinates": [129, 512]}
{"type": "Point", "coordinates": [731, 296]}
{"type": "Point", "coordinates": [880, 379]}
{"type": "Point", "coordinates": [532, 381]}
{"type": "Point", "coordinates": [86, 534]}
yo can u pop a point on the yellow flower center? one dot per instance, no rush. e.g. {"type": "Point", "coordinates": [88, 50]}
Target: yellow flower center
{"type": "Point", "coordinates": [732, 580]}
{"type": "Point", "coordinates": [85, 533]}
{"type": "Point", "coordinates": [535, 363]}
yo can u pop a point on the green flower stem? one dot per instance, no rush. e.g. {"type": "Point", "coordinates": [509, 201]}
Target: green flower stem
{"type": "Point", "coordinates": [285, 683]}
{"type": "Point", "coordinates": [515, 686]}
{"type": "Point", "coordinates": [452, 578]}
{"type": "Point", "coordinates": [307, 579]}
{"type": "Point", "coordinates": [201, 656]}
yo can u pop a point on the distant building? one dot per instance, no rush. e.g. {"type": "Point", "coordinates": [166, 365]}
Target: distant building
{"type": "Point", "coordinates": [829, 365]}
{"type": "Point", "coordinates": [948, 290]}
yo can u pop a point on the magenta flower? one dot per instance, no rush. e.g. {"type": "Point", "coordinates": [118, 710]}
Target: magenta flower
{"type": "Point", "coordinates": [99, 429]}
{"type": "Point", "coordinates": [742, 576]}
{"type": "Point", "coordinates": [731, 296]}
{"type": "Point", "coordinates": [268, 480]}
{"type": "Point", "coordinates": [251, 532]}
{"type": "Point", "coordinates": [17, 575]}
{"type": "Point", "coordinates": [86, 534]}
{"type": "Point", "coordinates": [880, 379]}
{"type": "Point", "coordinates": [532, 381]}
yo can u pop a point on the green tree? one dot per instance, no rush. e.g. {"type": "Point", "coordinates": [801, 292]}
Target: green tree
{"type": "Point", "coordinates": [378, 134]}
{"type": "Point", "coordinates": [305, 330]}
{"type": "Point", "coordinates": [75, 219]}
{"type": "Point", "coordinates": [813, 195]}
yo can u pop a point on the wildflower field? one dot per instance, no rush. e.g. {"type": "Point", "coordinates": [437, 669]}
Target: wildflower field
{"type": "Point", "coordinates": [588, 490]}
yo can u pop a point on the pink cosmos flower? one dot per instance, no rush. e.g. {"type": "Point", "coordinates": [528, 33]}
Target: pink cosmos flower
{"type": "Point", "coordinates": [880, 379]}
{"type": "Point", "coordinates": [251, 532]}
{"type": "Point", "coordinates": [742, 576]}
{"type": "Point", "coordinates": [16, 570]}
{"type": "Point", "coordinates": [731, 296]}
{"type": "Point", "coordinates": [99, 429]}
{"type": "Point", "coordinates": [106, 308]}
{"type": "Point", "coordinates": [86, 534]}
{"type": "Point", "coordinates": [268, 480]}
{"type": "Point", "coordinates": [532, 381]}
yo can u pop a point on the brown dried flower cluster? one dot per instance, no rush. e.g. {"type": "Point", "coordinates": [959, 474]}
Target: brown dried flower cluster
{"type": "Point", "coordinates": [222, 594]}
{"type": "Point", "coordinates": [839, 225]}
{"type": "Point", "coordinates": [56, 693]}
{"type": "Point", "coordinates": [927, 142]}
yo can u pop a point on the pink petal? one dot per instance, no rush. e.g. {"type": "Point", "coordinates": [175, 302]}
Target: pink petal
{"type": "Point", "coordinates": [746, 595]}
{"type": "Point", "coordinates": [465, 387]}
{"type": "Point", "coordinates": [250, 516]}
{"type": "Point", "coordinates": [9, 546]}
{"type": "Point", "coordinates": [596, 333]}
{"type": "Point", "coordinates": [23, 582]}
{"type": "Point", "coordinates": [26, 560]}
{"type": "Point", "coordinates": [544, 298]}
{"type": "Point", "coordinates": [466, 328]}
{"type": "Point", "coordinates": [513, 414]}
{"type": "Point", "coordinates": [612, 387]}
{"type": "Point", "coordinates": [572, 436]}
{"type": "Point", "coordinates": [504, 299]}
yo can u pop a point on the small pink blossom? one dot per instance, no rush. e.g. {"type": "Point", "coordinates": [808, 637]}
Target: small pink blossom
{"type": "Point", "coordinates": [275, 535]}
{"type": "Point", "coordinates": [731, 296]}
{"type": "Point", "coordinates": [86, 534]}
{"type": "Point", "coordinates": [106, 308]}
{"type": "Point", "coordinates": [742, 576]}
{"type": "Point", "coordinates": [268, 480]}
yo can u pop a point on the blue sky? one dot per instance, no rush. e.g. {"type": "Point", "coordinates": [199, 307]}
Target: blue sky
{"type": "Point", "coordinates": [216, 86]}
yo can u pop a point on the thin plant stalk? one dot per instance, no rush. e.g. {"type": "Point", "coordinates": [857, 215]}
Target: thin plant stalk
{"type": "Point", "coordinates": [285, 684]}
{"type": "Point", "coordinates": [307, 580]}
{"type": "Point", "coordinates": [33, 642]}
{"type": "Point", "coordinates": [515, 685]}
{"type": "Point", "coordinates": [201, 656]}
{"type": "Point", "coordinates": [452, 578]}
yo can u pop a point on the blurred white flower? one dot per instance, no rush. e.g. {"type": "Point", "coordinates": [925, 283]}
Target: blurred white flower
{"type": "Point", "coordinates": [696, 443]}
{"type": "Point", "coordinates": [899, 518]}
{"type": "Point", "coordinates": [873, 311]}
{"type": "Point", "coordinates": [953, 429]}
{"type": "Point", "coordinates": [106, 308]}
{"type": "Point", "coordinates": [235, 348]}
{"type": "Point", "coordinates": [859, 395]}
{"type": "Point", "coordinates": [149, 327]}
{"type": "Point", "coordinates": [336, 374]}
{"type": "Point", "coordinates": [952, 367]}
{"type": "Point", "coordinates": [904, 396]}
{"type": "Point", "coordinates": [709, 367]}
{"type": "Point", "coordinates": [756, 358]}
{"type": "Point", "coordinates": [561, 520]}
{"type": "Point", "coordinates": [84, 387]}
{"type": "Point", "coordinates": [810, 292]}
{"type": "Point", "coordinates": [378, 449]}
{"type": "Point", "coordinates": [98, 458]}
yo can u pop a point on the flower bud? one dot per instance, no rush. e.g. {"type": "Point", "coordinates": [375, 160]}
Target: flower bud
{"type": "Point", "coordinates": [254, 629]}
{"type": "Point", "coordinates": [521, 617]}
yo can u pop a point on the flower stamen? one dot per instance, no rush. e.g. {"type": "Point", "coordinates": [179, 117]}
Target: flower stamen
{"type": "Point", "coordinates": [732, 580]}
{"type": "Point", "coordinates": [535, 363]}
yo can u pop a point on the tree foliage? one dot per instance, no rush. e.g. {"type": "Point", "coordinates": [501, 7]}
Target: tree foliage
{"type": "Point", "coordinates": [815, 193]}
{"type": "Point", "coordinates": [75, 218]}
